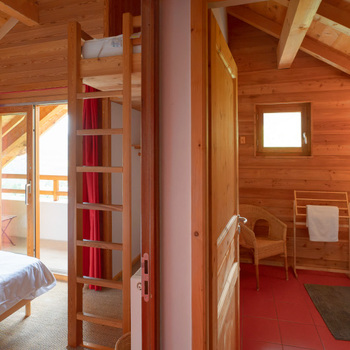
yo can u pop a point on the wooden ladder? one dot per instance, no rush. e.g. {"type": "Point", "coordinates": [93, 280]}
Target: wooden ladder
{"type": "Point", "coordinates": [76, 280]}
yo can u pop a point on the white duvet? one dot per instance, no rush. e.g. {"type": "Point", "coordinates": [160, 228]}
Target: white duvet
{"type": "Point", "coordinates": [22, 277]}
{"type": "Point", "coordinates": [105, 47]}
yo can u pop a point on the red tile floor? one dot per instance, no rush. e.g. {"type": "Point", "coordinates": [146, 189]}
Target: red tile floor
{"type": "Point", "coordinates": [281, 316]}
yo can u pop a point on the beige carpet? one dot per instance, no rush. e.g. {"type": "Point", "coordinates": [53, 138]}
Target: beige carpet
{"type": "Point", "coordinates": [46, 328]}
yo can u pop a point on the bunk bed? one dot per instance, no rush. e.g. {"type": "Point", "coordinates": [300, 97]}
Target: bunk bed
{"type": "Point", "coordinates": [118, 79]}
{"type": "Point", "coordinates": [322, 249]}
{"type": "Point", "coordinates": [22, 278]}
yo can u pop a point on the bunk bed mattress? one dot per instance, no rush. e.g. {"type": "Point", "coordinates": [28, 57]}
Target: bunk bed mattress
{"type": "Point", "coordinates": [111, 46]}
{"type": "Point", "coordinates": [22, 277]}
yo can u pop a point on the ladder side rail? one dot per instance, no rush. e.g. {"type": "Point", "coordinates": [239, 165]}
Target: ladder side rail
{"type": "Point", "coordinates": [107, 186]}
{"type": "Point", "coordinates": [75, 106]}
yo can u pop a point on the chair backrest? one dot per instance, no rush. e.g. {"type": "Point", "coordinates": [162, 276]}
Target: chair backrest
{"type": "Point", "coordinates": [253, 213]}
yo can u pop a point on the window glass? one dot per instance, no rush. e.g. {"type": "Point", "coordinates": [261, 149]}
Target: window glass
{"type": "Point", "coordinates": [283, 129]}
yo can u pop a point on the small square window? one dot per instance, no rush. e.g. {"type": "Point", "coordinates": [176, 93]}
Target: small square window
{"type": "Point", "coordinates": [283, 129]}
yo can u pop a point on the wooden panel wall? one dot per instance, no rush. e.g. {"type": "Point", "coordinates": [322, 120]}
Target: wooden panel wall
{"type": "Point", "coordinates": [116, 10]}
{"type": "Point", "coordinates": [269, 182]}
{"type": "Point", "coordinates": [36, 57]}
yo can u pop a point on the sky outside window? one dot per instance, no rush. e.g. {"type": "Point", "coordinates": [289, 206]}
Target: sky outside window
{"type": "Point", "coordinates": [282, 129]}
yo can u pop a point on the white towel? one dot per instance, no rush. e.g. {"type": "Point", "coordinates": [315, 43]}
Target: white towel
{"type": "Point", "coordinates": [323, 223]}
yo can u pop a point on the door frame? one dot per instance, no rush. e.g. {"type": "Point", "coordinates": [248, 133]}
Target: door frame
{"type": "Point", "coordinates": [199, 172]}
{"type": "Point", "coordinates": [150, 173]}
{"type": "Point", "coordinates": [31, 231]}
{"type": "Point", "coordinates": [199, 178]}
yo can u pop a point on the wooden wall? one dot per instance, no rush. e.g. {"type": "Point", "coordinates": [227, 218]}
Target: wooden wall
{"type": "Point", "coordinates": [33, 58]}
{"type": "Point", "coordinates": [269, 182]}
{"type": "Point", "coordinates": [116, 10]}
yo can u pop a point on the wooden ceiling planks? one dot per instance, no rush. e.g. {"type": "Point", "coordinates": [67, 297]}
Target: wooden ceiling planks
{"type": "Point", "coordinates": [328, 35]}
{"type": "Point", "coordinates": [313, 47]}
{"type": "Point", "coordinates": [34, 59]}
{"type": "Point", "coordinates": [270, 10]}
{"type": "Point", "coordinates": [3, 18]}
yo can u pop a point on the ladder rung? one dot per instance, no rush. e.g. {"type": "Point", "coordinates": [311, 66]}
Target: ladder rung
{"type": "Point", "coordinates": [304, 207]}
{"type": "Point", "coordinates": [99, 94]}
{"type": "Point", "coordinates": [97, 206]}
{"type": "Point", "coordinates": [136, 41]}
{"type": "Point", "coordinates": [88, 345]}
{"type": "Point", "coordinates": [340, 216]}
{"type": "Point", "coordinates": [99, 132]}
{"type": "Point", "coordinates": [100, 282]}
{"type": "Point", "coordinates": [105, 321]}
{"type": "Point", "coordinates": [322, 200]}
{"type": "Point", "coordinates": [99, 244]}
{"type": "Point", "coordinates": [99, 169]}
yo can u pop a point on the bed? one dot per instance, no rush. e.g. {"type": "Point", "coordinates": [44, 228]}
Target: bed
{"type": "Point", "coordinates": [102, 65]}
{"type": "Point", "coordinates": [22, 278]}
{"type": "Point", "coordinates": [107, 47]}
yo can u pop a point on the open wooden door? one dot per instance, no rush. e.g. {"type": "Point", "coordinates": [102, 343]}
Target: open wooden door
{"type": "Point", "coordinates": [223, 194]}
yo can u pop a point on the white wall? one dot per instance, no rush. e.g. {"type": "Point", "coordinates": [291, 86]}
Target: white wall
{"type": "Point", "coordinates": [221, 17]}
{"type": "Point", "coordinates": [53, 219]}
{"type": "Point", "coordinates": [175, 175]}
{"type": "Point", "coordinates": [117, 160]}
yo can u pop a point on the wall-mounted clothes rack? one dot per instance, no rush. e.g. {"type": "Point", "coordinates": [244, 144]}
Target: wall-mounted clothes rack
{"type": "Point", "coordinates": [338, 199]}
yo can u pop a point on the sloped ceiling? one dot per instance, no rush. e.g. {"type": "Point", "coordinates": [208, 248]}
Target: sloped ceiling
{"type": "Point", "coordinates": [320, 28]}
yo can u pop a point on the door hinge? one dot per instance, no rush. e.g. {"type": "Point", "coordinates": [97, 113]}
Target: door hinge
{"type": "Point", "coordinates": [145, 277]}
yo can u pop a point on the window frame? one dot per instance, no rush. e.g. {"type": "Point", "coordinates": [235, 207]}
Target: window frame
{"type": "Point", "coordinates": [304, 150]}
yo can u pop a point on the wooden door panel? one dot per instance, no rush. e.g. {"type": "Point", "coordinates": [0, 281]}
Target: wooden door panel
{"type": "Point", "coordinates": [228, 246]}
{"type": "Point", "coordinates": [228, 312]}
{"type": "Point", "coordinates": [223, 194]}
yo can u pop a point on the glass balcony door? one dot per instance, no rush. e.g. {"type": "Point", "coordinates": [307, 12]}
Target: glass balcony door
{"type": "Point", "coordinates": [52, 178]}
{"type": "Point", "coordinates": [17, 180]}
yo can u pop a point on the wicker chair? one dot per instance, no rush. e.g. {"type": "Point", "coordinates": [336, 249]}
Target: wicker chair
{"type": "Point", "coordinates": [263, 247]}
{"type": "Point", "coordinates": [124, 343]}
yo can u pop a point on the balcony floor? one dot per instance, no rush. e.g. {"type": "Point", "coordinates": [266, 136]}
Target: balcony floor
{"type": "Point", "coordinates": [53, 254]}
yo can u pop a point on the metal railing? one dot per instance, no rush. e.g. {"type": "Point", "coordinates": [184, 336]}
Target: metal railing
{"type": "Point", "coordinates": [55, 192]}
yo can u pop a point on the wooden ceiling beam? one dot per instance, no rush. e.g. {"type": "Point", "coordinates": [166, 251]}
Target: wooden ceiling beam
{"type": "Point", "coordinates": [334, 17]}
{"type": "Point", "coordinates": [329, 15]}
{"type": "Point", "coordinates": [300, 14]}
{"type": "Point", "coordinates": [11, 22]}
{"type": "Point", "coordinates": [26, 11]}
{"type": "Point", "coordinates": [227, 3]}
{"type": "Point", "coordinates": [313, 47]}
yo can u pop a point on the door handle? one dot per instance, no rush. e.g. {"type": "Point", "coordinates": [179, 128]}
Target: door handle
{"type": "Point", "coordinates": [242, 220]}
{"type": "Point", "coordinates": [27, 190]}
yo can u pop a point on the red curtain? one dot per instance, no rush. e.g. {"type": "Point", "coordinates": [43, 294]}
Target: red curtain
{"type": "Point", "coordinates": [91, 193]}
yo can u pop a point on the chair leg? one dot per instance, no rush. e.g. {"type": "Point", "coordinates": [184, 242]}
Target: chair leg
{"type": "Point", "coordinates": [257, 276]}
{"type": "Point", "coordinates": [286, 262]}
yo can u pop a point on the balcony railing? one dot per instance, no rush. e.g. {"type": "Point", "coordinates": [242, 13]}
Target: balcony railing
{"type": "Point", "coordinates": [55, 192]}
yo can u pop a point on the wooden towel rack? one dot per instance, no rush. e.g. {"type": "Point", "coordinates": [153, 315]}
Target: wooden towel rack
{"type": "Point", "coordinates": [304, 198]}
